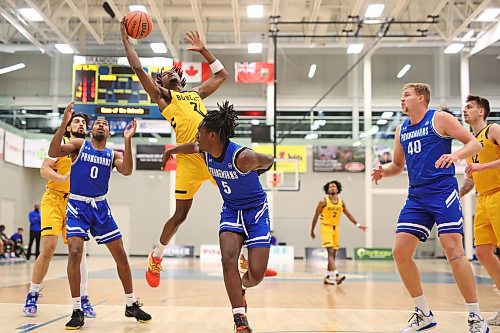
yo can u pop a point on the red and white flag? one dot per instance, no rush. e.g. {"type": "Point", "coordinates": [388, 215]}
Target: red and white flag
{"type": "Point", "coordinates": [253, 72]}
{"type": "Point", "coordinates": [195, 72]}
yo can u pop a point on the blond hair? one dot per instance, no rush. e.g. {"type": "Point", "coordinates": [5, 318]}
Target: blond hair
{"type": "Point", "coordinates": [421, 89]}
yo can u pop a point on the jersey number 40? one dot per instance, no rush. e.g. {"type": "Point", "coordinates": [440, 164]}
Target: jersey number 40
{"type": "Point", "coordinates": [414, 147]}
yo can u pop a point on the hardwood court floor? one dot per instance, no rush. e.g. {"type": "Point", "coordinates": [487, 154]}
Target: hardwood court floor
{"type": "Point", "coordinates": [192, 298]}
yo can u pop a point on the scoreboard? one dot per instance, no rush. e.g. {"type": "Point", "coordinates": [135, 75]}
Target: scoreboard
{"type": "Point", "coordinates": [110, 90]}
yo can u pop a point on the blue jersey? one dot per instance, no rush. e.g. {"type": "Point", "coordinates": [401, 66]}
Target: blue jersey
{"type": "Point", "coordinates": [239, 190]}
{"type": "Point", "coordinates": [90, 171]}
{"type": "Point", "coordinates": [423, 146]}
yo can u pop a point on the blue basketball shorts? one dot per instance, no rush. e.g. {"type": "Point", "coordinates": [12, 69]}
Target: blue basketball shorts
{"type": "Point", "coordinates": [429, 204]}
{"type": "Point", "coordinates": [252, 224]}
{"type": "Point", "coordinates": [82, 217]}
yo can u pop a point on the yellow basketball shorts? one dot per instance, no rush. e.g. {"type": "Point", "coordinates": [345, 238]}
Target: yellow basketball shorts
{"type": "Point", "coordinates": [53, 213]}
{"type": "Point", "coordinates": [487, 220]}
{"type": "Point", "coordinates": [191, 172]}
{"type": "Point", "coordinates": [329, 235]}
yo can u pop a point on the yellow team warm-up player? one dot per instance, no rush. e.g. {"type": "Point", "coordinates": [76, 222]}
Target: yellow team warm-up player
{"type": "Point", "coordinates": [483, 171]}
{"type": "Point", "coordinates": [184, 110]}
{"type": "Point", "coordinates": [53, 215]}
{"type": "Point", "coordinates": [330, 208]}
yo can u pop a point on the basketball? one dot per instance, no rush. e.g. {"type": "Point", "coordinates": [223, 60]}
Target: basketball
{"type": "Point", "coordinates": [138, 24]}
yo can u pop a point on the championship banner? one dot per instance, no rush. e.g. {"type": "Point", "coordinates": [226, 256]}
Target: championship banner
{"type": "Point", "coordinates": [2, 133]}
{"type": "Point", "coordinates": [149, 157]}
{"type": "Point", "coordinates": [253, 72]}
{"type": "Point", "coordinates": [321, 254]}
{"type": "Point", "coordinates": [363, 253]}
{"type": "Point", "coordinates": [291, 152]}
{"type": "Point", "coordinates": [194, 72]}
{"type": "Point", "coordinates": [13, 148]}
{"type": "Point", "coordinates": [338, 158]}
{"type": "Point", "coordinates": [35, 152]}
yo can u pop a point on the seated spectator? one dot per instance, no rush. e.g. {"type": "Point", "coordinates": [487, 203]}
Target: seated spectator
{"type": "Point", "coordinates": [8, 244]}
{"type": "Point", "coordinates": [18, 236]}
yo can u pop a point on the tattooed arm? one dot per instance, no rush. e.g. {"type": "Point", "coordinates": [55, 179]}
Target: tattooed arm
{"type": "Point", "coordinates": [467, 186]}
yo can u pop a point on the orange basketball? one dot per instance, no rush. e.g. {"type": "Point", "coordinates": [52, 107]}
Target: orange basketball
{"type": "Point", "coordinates": [138, 24]}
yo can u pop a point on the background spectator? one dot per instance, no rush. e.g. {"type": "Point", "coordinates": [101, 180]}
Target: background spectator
{"type": "Point", "coordinates": [35, 231]}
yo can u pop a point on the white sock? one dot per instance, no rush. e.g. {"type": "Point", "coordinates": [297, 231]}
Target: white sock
{"type": "Point", "coordinates": [336, 272]}
{"type": "Point", "coordinates": [239, 310]}
{"type": "Point", "coordinates": [77, 303]}
{"type": "Point", "coordinates": [329, 273]}
{"type": "Point", "coordinates": [474, 308]}
{"type": "Point", "coordinates": [130, 299]}
{"type": "Point", "coordinates": [84, 274]}
{"type": "Point", "coordinates": [421, 303]}
{"type": "Point", "coordinates": [159, 249]}
{"type": "Point", "coordinates": [35, 288]}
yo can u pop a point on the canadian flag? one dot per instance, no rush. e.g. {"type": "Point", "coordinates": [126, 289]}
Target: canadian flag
{"type": "Point", "coordinates": [195, 72]}
{"type": "Point", "coordinates": [253, 72]}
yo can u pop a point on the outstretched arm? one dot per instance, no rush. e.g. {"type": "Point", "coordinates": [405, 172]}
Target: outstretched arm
{"type": "Point", "coordinates": [220, 74]}
{"type": "Point", "coordinates": [317, 213]}
{"type": "Point", "coordinates": [249, 160]}
{"type": "Point", "coordinates": [187, 148]}
{"type": "Point", "coordinates": [56, 149]}
{"type": "Point", "coordinates": [146, 80]}
{"type": "Point", "coordinates": [351, 217]}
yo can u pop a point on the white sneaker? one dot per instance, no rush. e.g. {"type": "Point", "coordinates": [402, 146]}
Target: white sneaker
{"type": "Point", "coordinates": [419, 322]}
{"type": "Point", "coordinates": [495, 320]}
{"type": "Point", "coordinates": [477, 324]}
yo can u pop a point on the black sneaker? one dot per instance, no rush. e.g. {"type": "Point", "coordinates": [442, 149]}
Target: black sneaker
{"type": "Point", "coordinates": [339, 279]}
{"type": "Point", "coordinates": [135, 311]}
{"type": "Point", "coordinates": [241, 323]}
{"type": "Point", "coordinates": [76, 320]}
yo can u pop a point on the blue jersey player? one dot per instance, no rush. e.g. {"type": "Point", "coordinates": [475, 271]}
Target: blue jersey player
{"type": "Point", "coordinates": [423, 141]}
{"type": "Point", "coordinates": [88, 210]}
{"type": "Point", "coordinates": [244, 218]}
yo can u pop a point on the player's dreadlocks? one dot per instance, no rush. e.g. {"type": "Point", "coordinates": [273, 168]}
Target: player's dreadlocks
{"type": "Point", "coordinates": [174, 69]}
{"type": "Point", "coordinates": [222, 121]}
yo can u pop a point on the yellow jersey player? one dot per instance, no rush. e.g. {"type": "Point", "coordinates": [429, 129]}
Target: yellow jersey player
{"type": "Point", "coordinates": [483, 172]}
{"type": "Point", "coordinates": [185, 111]}
{"type": "Point", "coordinates": [329, 209]}
{"type": "Point", "coordinates": [53, 216]}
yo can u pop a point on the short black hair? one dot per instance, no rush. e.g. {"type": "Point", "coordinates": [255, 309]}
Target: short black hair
{"type": "Point", "coordinates": [174, 69]}
{"type": "Point", "coordinates": [20, 229]}
{"type": "Point", "coordinates": [481, 102]}
{"type": "Point", "coordinates": [222, 121]}
{"type": "Point", "coordinates": [337, 183]}
{"type": "Point", "coordinates": [75, 115]}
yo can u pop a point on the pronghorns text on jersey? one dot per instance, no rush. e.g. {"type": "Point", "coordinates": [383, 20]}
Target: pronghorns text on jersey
{"type": "Point", "coordinates": [415, 134]}
{"type": "Point", "coordinates": [95, 159]}
{"type": "Point", "coordinates": [223, 173]}
{"type": "Point", "coordinates": [188, 97]}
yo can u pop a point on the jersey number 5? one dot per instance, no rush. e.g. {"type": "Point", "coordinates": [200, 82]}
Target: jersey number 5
{"type": "Point", "coordinates": [226, 188]}
{"type": "Point", "coordinates": [414, 147]}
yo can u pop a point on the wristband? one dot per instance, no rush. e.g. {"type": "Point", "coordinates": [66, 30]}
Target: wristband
{"type": "Point", "coordinates": [216, 66]}
{"type": "Point", "coordinates": [357, 224]}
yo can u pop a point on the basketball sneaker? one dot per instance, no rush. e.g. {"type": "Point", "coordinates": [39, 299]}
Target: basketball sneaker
{"type": "Point", "coordinates": [419, 322]}
{"type": "Point", "coordinates": [339, 279]}
{"type": "Point", "coordinates": [30, 306]}
{"type": "Point", "coordinates": [477, 324]}
{"type": "Point", "coordinates": [495, 320]}
{"type": "Point", "coordinates": [241, 323]}
{"type": "Point", "coordinates": [328, 280]}
{"type": "Point", "coordinates": [135, 311]}
{"type": "Point", "coordinates": [76, 321]}
{"type": "Point", "coordinates": [88, 311]}
{"type": "Point", "coordinates": [153, 272]}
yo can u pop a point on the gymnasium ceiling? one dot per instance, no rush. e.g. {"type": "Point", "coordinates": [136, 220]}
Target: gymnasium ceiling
{"type": "Point", "coordinates": [89, 29]}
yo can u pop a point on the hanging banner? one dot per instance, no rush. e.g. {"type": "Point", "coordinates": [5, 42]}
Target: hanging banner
{"type": "Point", "coordinates": [338, 158]}
{"type": "Point", "coordinates": [253, 72]}
{"type": "Point", "coordinates": [35, 151]}
{"type": "Point", "coordinates": [149, 157]}
{"type": "Point", "coordinates": [2, 133]}
{"type": "Point", "coordinates": [13, 152]}
{"type": "Point", "coordinates": [289, 152]}
{"type": "Point", "coordinates": [194, 72]}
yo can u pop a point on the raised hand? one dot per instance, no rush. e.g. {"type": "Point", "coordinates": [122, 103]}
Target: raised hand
{"type": "Point", "coordinates": [193, 37]}
{"type": "Point", "coordinates": [68, 112]}
{"type": "Point", "coordinates": [123, 29]}
{"type": "Point", "coordinates": [377, 174]}
{"type": "Point", "coordinates": [130, 129]}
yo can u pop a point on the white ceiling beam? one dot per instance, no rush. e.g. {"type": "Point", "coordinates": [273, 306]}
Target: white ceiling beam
{"type": "Point", "coordinates": [469, 19]}
{"type": "Point", "coordinates": [16, 24]}
{"type": "Point", "coordinates": [313, 17]}
{"type": "Point", "coordinates": [400, 5]}
{"type": "Point", "coordinates": [435, 12]}
{"type": "Point", "coordinates": [198, 19]}
{"type": "Point", "coordinates": [489, 37]}
{"type": "Point", "coordinates": [51, 25]}
{"type": "Point", "coordinates": [84, 21]}
{"type": "Point", "coordinates": [163, 29]}
{"type": "Point", "coordinates": [235, 6]}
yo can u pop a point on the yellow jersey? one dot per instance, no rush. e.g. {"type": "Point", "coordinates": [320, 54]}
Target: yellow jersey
{"type": "Point", "coordinates": [486, 181]}
{"type": "Point", "coordinates": [185, 112]}
{"type": "Point", "coordinates": [62, 167]}
{"type": "Point", "coordinates": [330, 215]}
